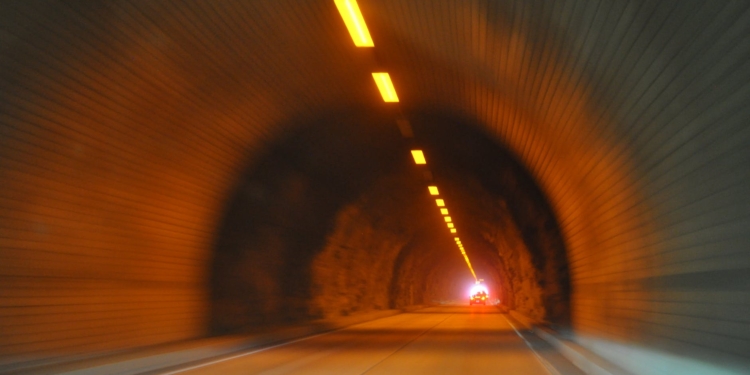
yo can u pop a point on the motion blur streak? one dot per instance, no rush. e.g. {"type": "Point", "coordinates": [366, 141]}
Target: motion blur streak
{"type": "Point", "coordinates": [172, 171]}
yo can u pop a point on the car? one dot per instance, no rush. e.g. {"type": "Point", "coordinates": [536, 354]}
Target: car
{"type": "Point", "coordinates": [479, 298]}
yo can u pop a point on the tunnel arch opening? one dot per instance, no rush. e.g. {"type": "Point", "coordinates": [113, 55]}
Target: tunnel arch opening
{"type": "Point", "coordinates": [334, 219]}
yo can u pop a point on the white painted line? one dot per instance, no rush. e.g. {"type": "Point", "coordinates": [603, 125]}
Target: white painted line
{"type": "Point", "coordinates": [547, 366]}
{"type": "Point", "coordinates": [244, 354]}
{"type": "Point", "coordinates": [205, 364]}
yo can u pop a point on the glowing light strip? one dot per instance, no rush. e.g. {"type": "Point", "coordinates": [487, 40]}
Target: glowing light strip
{"type": "Point", "coordinates": [418, 156]}
{"type": "Point", "coordinates": [383, 80]}
{"type": "Point", "coordinates": [355, 23]}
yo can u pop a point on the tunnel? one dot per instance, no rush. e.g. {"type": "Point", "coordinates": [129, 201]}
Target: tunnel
{"type": "Point", "coordinates": [182, 171]}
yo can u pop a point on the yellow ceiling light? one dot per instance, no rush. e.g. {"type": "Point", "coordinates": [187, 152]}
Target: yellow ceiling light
{"type": "Point", "coordinates": [444, 211]}
{"type": "Point", "coordinates": [450, 225]}
{"type": "Point", "coordinates": [354, 22]}
{"type": "Point", "coordinates": [383, 80]}
{"type": "Point", "coordinates": [456, 239]}
{"type": "Point", "coordinates": [447, 219]}
{"type": "Point", "coordinates": [453, 230]}
{"type": "Point", "coordinates": [433, 190]}
{"type": "Point", "coordinates": [440, 202]}
{"type": "Point", "coordinates": [418, 156]}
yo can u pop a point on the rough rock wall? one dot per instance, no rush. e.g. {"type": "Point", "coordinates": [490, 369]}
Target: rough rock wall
{"type": "Point", "coordinates": [285, 205]}
{"type": "Point", "coordinates": [523, 277]}
{"type": "Point", "coordinates": [354, 270]}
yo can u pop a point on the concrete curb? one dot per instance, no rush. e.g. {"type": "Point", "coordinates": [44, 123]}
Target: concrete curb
{"type": "Point", "coordinates": [582, 358]}
{"type": "Point", "coordinates": [585, 360]}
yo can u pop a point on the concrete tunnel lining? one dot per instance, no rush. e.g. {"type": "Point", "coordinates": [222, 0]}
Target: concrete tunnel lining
{"type": "Point", "coordinates": [125, 125]}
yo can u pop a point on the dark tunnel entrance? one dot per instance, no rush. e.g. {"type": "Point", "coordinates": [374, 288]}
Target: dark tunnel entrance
{"type": "Point", "coordinates": [335, 219]}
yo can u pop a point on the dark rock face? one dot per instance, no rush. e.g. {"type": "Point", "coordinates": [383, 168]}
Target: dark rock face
{"type": "Point", "coordinates": [355, 269]}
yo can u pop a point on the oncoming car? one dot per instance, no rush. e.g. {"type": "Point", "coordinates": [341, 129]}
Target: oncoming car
{"type": "Point", "coordinates": [480, 298]}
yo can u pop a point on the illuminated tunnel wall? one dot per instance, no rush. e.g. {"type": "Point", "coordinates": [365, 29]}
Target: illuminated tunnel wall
{"type": "Point", "coordinates": [127, 128]}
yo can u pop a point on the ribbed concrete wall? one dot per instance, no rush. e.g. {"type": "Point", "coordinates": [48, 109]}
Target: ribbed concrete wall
{"type": "Point", "coordinates": [124, 125]}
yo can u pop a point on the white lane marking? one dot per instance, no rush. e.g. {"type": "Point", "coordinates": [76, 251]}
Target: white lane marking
{"type": "Point", "coordinates": [547, 366]}
{"type": "Point", "coordinates": [205, 364]}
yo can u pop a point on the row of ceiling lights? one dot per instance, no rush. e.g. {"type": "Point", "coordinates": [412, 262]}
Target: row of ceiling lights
{"type": "Point", "coordinates": [355, 23]}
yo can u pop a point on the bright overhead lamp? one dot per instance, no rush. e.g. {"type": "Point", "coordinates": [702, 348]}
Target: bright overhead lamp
{"type": "Point", "coordinates": [387, 91]}
{"type": "Point", "coordinates": [448, 219]}
{"type": "Point", "coordinates": [444, 211]}
{"type": "Point", "coordinates": [456, 239]}
{"type": "Point", "coordinates": [433, 190]}
{"type": "Point", "coordinates": [354, 22]}
{"type": "Point", "coordinates": [440, 202]}
{"type": "Point", "coordinates": [453, 230]}
{"type": "Point", "coordinates": [450, 225]}
{"type": "Point", "coordinates": [418, 156]}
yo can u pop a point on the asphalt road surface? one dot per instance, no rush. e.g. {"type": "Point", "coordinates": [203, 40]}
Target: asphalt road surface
{"type": "Point", "coordinates": [437, 340]}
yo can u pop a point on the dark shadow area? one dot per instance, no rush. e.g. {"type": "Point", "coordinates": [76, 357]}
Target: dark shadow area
{"type": "Point", "coordinates": [282, 210]}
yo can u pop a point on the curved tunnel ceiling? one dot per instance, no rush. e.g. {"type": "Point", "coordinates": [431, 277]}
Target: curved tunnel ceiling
{"type": "Point", "coordinates": [126, 127]}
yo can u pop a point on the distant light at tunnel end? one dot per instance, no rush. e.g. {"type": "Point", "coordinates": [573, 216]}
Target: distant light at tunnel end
{"type": "Point", "coordinates": [355, 23]}
{"type": "Point", "coordinates": [433, 190]}
{"type": "Point", "coordinates": [387, 91]}
{"type": "Point", "coordinates": [476, 288]}
{"type": "Point", "coordinates": [418, 156]}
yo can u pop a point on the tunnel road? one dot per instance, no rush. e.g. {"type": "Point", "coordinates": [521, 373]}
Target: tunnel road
{"type": "Point", "coordinates": [436, 340]}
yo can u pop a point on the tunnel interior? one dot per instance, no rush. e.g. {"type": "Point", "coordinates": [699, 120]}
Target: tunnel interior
{"type": "Point", "coordinates": [335, 218]}
{"type": "Point", "coordinates": [170, 170]}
